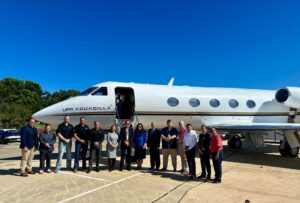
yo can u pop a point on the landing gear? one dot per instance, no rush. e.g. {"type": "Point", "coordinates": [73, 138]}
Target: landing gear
{"type": "Point", "coordinates": [286, 150]}
{"type": "Point", "coordinates": [234, 142]}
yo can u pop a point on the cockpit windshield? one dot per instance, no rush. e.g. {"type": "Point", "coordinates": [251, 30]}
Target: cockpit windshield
{"type": "Point", "coordinates": [87, 91]}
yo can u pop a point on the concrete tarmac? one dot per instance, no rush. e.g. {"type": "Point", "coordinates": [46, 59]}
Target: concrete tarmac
{"type": "Point", "coordinates": [257, 175]}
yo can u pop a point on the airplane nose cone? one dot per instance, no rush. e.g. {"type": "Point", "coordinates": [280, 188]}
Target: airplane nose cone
{"type": "Point", "coordinates": [44, 114]}
{"type": "Point", "coordinates": [38, 115]}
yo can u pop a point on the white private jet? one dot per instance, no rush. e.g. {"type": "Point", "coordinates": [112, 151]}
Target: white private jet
{"type": "Point", "coordinates": [247, 112]}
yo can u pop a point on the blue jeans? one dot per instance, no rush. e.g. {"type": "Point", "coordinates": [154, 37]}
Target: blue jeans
{"type": "Point", "coordinates": [62, 148]}
{"type": "Point", "coordinates": [218, 165]}
{"type": "Point", "coordinates": [80, 149]}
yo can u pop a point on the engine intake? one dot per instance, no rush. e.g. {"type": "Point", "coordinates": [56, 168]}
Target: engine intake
{"type": "Point", "coordinates": [289, 96]}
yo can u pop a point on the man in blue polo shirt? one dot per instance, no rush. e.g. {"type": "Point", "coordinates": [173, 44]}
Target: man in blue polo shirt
{"type": "Point", "coordinates": [169, 137]}
{"type": "Point", "coordinates": [29, 144]}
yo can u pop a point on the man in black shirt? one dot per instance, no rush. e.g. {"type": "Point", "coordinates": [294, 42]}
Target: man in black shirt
{"type": "Point", "coordinates": [81, 133]}
{"type": "Point", "coordinates": [169, 137]}
{"type": "Point", "coordinates": [153, 144]}
{"type": "Point", "coordinates": [65, 134]}
{"type": "Point", "coordinates": [96, 138]}
{"type": "Point", "coordinates": [204, 150]}
{"type": "Point", "coordinates": [126, 138]}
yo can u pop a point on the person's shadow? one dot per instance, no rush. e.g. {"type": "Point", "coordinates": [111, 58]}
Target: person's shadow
{"type": "Point", "coordinates": [12, 172]}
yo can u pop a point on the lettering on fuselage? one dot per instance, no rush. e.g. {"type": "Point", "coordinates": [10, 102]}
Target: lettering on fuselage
{"type": "Point", "coordinates": [87, 108]}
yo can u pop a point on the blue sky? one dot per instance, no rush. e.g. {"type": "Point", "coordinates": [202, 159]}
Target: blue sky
{"type": "Point", "coordinates": [75, 44]}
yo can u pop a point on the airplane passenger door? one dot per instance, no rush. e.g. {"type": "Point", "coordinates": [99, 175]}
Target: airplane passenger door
{"type": "Point", "coordinates": [125, 103]}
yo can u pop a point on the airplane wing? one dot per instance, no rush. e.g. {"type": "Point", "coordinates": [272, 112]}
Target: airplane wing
{"type": "Point", "coordinates": [258, 126]}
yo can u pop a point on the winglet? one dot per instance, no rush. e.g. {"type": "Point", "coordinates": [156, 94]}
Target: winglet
{"type": "Point", "coordinates": [171, 82]}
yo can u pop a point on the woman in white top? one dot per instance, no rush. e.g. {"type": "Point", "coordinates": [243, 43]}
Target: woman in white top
{"type": "Point", "coordinates": [190, 142]}
{"type": "Point", "coordinates": [111, 147]}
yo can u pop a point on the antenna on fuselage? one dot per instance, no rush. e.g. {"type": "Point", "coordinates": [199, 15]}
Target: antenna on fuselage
{"type": "Point", "coordinates": [171, 82]}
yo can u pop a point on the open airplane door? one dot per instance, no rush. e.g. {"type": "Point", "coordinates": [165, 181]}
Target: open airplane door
{"type": "Point", "coordinates": [125, 103]}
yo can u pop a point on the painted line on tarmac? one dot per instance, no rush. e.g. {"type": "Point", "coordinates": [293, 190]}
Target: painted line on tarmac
{"type": "Point", "coordinates": [99, 188]}
{"type": "Point", "coordinates": [8, 147]}
{"type": "Point", "coordinates": [82, 176]}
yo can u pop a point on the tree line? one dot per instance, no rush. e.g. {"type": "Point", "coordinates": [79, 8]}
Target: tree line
{"type": "Point", "coordinates": [19, 99]}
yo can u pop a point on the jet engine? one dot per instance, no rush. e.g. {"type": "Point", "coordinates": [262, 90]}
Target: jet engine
{"type": "Point", "coordinates": [289, 96]}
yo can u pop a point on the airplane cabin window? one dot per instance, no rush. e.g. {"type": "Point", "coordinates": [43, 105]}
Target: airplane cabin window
{"type": "Point", "coordinates": [172, 101]}
{"type": "Point", "coordinates": [87, 91]}
{"type": "Point", "coordinates": [251, 104]}
{"type": "Point", "coordinates": [102, 91]}
{"type": "Point", "coordinates": [194, 102]}
{"type": "Point", "coordinates": [233, 103]}
{"type": "Point", "coordinates": [214, 103]}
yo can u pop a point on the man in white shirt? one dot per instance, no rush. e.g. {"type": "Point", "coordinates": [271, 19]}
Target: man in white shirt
{"type": "Point", "coordinates": [190, 142]}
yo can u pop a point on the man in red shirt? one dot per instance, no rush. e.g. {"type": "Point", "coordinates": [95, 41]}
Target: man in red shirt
{"type": "Point", "coordinates": [216, 148]}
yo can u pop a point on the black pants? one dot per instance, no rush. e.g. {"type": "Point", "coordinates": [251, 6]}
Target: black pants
{"type": "Point", "coordinates": [125, 152]}
{"type": "Point", "coordinates": [95, 155]}
{"type": "Point", "coordinates": [205, 164]}
{"type": "Point", "coordinates": [190, 156]}
{"type": "Point", "coordinates": [45, 155]}
{"type": "Point", "coordinates": [154, 158]}
{"type": "Point", "coordinates": [80, 151]}
{"type": "Point", "coordinates": [217, 165]}
{"type": "Point", "coordinates": [111, 164]}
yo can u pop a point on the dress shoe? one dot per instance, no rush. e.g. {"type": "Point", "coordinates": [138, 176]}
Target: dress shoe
{"type": "Point", "coordinates": [23, 174]}
{"type": "Point", "coordinates": [202, 176]}
{"type": "Point", "coordinates": [31, 172]}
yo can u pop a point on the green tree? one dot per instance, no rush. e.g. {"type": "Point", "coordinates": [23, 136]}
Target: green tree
{"type": "Point", "coordinates": [20, 99]}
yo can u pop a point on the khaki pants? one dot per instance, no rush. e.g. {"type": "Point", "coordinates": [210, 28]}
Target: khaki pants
{"type": "Point", "coordinates": [26, 161]}
{"type": "Point", "coordinates": [181, 152]}
{"type": "Point", "coordinates": [166, 153]}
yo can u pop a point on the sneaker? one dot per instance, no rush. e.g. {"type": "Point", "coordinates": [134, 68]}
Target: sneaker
{"type": "Point", "coordinates": [49, 171]}
{"type": "Point", "coordinates": [88, 171]}
{"type": "Point", "coordinates": [56, 171]}
{"type": "Point", "coordinates": [75, 171]}
{"type": "Point", "coordinates": [41, 172]}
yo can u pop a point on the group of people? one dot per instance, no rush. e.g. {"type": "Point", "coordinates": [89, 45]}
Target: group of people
{"type": "Point", "coordinates": [133, 143]}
